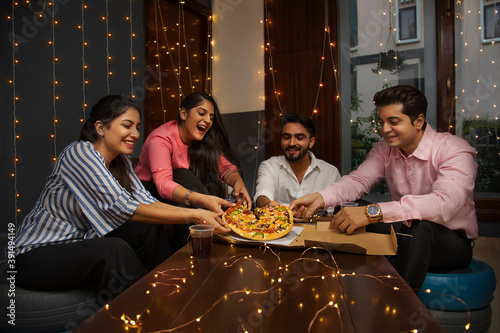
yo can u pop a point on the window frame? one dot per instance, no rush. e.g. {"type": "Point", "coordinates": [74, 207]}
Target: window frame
{"type": "Point", "coordinates": [495, 4]}
{"type": "Point", "coordinates": [487, 209]}
{"type": "Point", "coordinates": [417, 21]}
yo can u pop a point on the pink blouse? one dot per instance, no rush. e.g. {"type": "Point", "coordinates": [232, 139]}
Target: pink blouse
{"type": "Point", "coordinates": [163, 152]}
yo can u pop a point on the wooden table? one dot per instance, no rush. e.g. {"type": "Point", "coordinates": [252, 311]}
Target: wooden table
{"type": "Point", "coordinates": [251, 289]}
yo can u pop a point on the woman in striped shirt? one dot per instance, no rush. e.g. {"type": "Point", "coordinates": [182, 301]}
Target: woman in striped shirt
{"type": "Point", "coordinates": [94, 223]}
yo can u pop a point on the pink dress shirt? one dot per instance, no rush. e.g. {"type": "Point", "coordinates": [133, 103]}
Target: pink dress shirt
{"type": "Point", "coordinates": [435, 183]}
{"type": "Point", "coordinates": [163, 152]}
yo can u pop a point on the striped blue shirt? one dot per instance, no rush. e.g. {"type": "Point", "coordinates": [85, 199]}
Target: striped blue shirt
{"type": "Point", "coordinates": [80, 200]}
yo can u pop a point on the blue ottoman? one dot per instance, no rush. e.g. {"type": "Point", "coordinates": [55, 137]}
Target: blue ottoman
{"type": "Point", "coordinates": [474, 287]}
{"type": "Point", "coordinates": [444, 294]}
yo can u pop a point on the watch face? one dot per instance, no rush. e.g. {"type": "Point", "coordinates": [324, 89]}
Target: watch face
{"type": "Point", "coordinates": [373, 210]}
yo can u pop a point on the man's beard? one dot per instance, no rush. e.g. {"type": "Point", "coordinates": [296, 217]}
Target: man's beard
{"type": "Point", "coordinates": [298, 156]}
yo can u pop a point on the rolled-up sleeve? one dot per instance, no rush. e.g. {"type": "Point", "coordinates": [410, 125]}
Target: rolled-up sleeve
{"type": "Point", "coordinates": [360, 181]}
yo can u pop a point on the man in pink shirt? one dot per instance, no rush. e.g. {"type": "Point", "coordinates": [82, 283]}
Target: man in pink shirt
{"type": "Point", "coordinates": [431, 179]}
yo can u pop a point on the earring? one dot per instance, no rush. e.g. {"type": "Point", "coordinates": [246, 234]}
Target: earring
{"type": "Point", "coordinates": [100, 133]}
{"type": "Point", "coordinates": [183, 117]}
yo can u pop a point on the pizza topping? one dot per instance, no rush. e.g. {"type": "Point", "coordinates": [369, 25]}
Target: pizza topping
{"type": "Point", "coordinates": [265, 224]}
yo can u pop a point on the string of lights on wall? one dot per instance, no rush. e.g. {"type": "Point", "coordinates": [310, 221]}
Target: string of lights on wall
{"type": "Point", "coordinates": [84, 66]}
{"type": "Point", "coordinates": [182, 47]}
{"type": "Point", "coordinates": [158, 63]}
{"type": "Point", "coordinates": [131, 40]}
{"type": "Point", "coordinates": [54, 81]}
{"type": "Point", "coordinates": [12, 81]}
{"type": "Point", "coordinates": [326, 43]}
{"type": "Point", "coordinates": [184, 43]}
{"type": "Point", "coordinates": [208, 56]}
{"type": "Point", "coordinates": [108, 57]}
{"type": "Point", "coordinates": [46, 13]}
{"type": "Point", "coordinates": [471, 100]}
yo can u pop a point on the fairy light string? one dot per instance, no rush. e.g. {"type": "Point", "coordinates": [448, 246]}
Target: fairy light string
{"type": "Point", "coordinates": [132, 73]}
{"type": "Point", "coordinates": [476, 77]}
{"type": "Point", "coordinates": [270, 58]}
{"type": "Point", "coordinates": [328, 275]}
{"type": "Point", "coordinates": [326, 42]}
{"type": "Point", "coordinates": [158, 62]}
{"type": "Point", "coordinates": [84, 66]}
{"type": "Point", "coordinates": [336, 73]}
{"type": "Point", "coordinates": [182, 44]}
{"type": "Point", "coordinates": [185, 44]}
{"type": "Point", "coordinates": [14, 113]}
{"type": "Point", "coordinates": [325, 35]}
{"type": "Point", "coordinates": [108, 72]}
{"type": "Point", "coordinates": [208, 57]}
{"type": "Point", "coordinates": [179, 52]}
{"type": "Point", "coordinates": [54, 81]}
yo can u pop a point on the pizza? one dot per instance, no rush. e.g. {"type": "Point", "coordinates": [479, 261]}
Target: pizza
{"type": "Point", "coordinates": [262, 224]}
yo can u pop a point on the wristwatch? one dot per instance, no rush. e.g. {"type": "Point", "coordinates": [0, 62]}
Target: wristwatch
{"type": "Point", "coordinates": [374, 213]}
{"type": "Point", "coordinates": [186, 200]}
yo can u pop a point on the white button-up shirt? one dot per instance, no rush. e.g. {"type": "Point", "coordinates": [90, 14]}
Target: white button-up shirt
{"type": "Point", "coordinates": [277, 181]}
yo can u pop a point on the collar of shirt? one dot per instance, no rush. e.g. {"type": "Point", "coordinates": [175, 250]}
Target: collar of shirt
{"type": "Point", "coordinates": [424, 146]}
{"type": "Point", "coordinates": [283, 163]}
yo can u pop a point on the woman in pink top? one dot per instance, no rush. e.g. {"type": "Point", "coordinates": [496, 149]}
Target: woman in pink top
{"type": "Point", "coordinates": [186, 161]}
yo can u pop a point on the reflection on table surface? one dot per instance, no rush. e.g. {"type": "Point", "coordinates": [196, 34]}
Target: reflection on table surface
{"type": "Point", "coordinates": [260, 289]}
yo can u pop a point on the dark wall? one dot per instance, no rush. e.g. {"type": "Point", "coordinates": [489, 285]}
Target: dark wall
{"type": "Point", "coordinates": [35, 109]}
{"type": "Point", "coordinates": [246, 132]}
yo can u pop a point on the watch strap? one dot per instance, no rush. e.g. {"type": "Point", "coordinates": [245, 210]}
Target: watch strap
{"type": "Point", "coordinates": [374, 218]}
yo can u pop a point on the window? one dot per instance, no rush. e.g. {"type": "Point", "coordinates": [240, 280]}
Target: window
{"type": "Point", "coordinates": [380, 61]}
{"type": "Point", "coordinates": [478, 101]}
{"type": "Point", "coordinates": [464, 99]}
{"type": "Point", "coordinates": [490, 21]}
{"type": "Point", "coordinates": [407, 21]}
{"type": "Point", "coordinates": [353, 24]}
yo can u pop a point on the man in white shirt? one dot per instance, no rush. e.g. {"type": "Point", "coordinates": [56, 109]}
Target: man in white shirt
{"type": "Point", "coordinates": [282, 179]}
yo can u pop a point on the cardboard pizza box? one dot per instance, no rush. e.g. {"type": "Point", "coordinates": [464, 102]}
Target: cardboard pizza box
{"type": "Point", "coordinates": [372, 242]}
{"type": "Point", "coordinates": [360, 241]}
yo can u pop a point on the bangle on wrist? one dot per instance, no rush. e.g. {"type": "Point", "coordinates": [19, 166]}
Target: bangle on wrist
{"type": "Point", "coordinates": [186, 200]}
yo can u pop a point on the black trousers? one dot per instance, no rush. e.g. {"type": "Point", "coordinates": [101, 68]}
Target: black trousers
{"type": "Point", "coordinates": [184, 177]}
{"type": "Point", "coordinates": [430, 247]}
{"type": "Point", "coordinates": [112, 263]}
{"type": "Point", "coordinates": [178, 233]}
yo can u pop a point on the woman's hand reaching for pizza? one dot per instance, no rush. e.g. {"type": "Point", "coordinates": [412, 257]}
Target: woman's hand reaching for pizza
{"type": "Point", "coordinates": [233, 179]}
{"type": "Point", "coordinates": [241, 193]}
{"type": "Point", "coordinates": [209, 202]}
{"type": "Point", "coordinates": [307, 205]}
{"type": "Point", "coordinates": [203, 216]}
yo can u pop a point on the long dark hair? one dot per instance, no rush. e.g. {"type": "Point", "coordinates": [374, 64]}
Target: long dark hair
{"type": "Point", "coordinates": [105, 110]}
{"type": "Point", "coordinates": [204, 155]}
